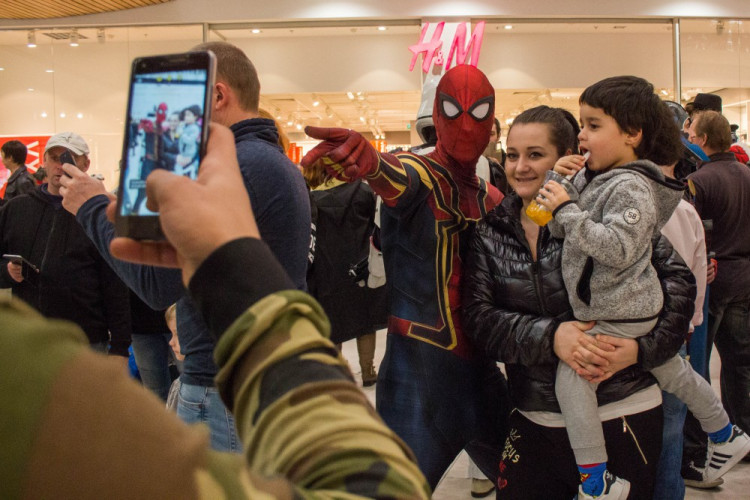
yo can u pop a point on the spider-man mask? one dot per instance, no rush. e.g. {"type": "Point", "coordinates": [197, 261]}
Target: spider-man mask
{"type": "Point", "coordinates": [463, 114]}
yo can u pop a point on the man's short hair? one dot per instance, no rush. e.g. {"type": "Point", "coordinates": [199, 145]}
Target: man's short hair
{"type": "Point", "coordinates": [715, 127]}
{"type": "Point", "coordinates": [235, 69]}
{"type": "Point", "coordinates": [16, 151]}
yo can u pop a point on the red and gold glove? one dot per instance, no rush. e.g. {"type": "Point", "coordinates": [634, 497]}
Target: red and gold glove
{"type": "Point", "coordinates": [345, 154]}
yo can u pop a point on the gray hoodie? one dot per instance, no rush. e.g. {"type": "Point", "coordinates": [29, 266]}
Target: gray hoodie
{"type": "Point", "coordinates": [606, 258]}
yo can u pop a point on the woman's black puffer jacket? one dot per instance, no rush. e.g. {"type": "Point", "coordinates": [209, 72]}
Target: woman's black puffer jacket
{"type": "Point", "coordinates": [513, 305]}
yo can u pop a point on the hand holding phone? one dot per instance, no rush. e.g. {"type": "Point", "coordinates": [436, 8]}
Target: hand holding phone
{"type": "Point", "coordinates": [67, 157]}
{"type": "Point", "coordinates": [162, 87]}
{"type": "Point", "coordinates": [21, 261]}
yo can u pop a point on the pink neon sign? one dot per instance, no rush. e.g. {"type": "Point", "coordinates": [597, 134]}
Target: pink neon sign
{"type": "Point", "coordinates": [431, 49]}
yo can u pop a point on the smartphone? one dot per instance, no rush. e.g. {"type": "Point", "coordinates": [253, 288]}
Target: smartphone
{"type": "Point", "coordinates": [67, 157]}
{"type": "Point", "coordinates": [172, 90]}
{"type": "Point", "coordinates": [17, 259]}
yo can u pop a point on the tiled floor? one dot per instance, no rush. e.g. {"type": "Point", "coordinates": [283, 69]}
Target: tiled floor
{"type": "Point", "coordinates": [456, 484]}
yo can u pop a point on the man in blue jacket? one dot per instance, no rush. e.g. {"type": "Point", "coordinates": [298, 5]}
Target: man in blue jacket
{"type": "Point", "coordinates": [279, 201]}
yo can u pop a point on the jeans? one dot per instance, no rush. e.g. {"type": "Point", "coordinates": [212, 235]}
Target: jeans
{"type": "Point", "coordinates": [152, 354]}
{"type": "Point", "coordinates": [196, 404]}
{"type": "Point", "coordinates": [440, 404]}
{"type": "Point", "coordinates": [729, 328]}
{"type": "Point", "coordinates": [669, 484]}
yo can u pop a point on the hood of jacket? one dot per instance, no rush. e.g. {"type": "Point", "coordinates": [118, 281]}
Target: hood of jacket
{"type": "Point", "coordinates": [667, 192]}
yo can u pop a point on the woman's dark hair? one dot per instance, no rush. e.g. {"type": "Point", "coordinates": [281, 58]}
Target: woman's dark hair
{"type": "Point", "coordinates": [632, 103]}
{"type": "Point", "coordinates": [195, 109]}
{"type": "Point", "coordinates": [563, 127]}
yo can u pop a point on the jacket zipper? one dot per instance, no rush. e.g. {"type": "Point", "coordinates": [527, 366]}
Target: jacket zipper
{"type": "Point", "coordinates": [43, 265]}
{"type": "Point", "coordinates": [537, 276]}
{"type": "Point", "coordinates": [626, 428]}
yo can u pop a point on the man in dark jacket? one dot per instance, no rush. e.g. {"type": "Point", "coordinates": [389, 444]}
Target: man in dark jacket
{"type": "Point", "coordinates": [69, 279]}
{"type": "Point", "coordinates": [721, 188]}
{"type": "Point", "coordinates": [20, 182]}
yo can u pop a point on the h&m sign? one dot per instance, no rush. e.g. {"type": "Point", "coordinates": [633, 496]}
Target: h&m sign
{"type": "Point", "coordinates": [430, 46]}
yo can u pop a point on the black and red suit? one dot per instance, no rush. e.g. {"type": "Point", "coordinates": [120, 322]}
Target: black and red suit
{"type": "Point", "coordinates": [433, 390]}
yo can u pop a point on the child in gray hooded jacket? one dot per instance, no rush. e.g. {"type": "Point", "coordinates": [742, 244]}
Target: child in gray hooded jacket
{"type": "Point", "coordinates": [623, 201]}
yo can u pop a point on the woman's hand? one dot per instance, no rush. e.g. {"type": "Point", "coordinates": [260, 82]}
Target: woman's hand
{"type": "Point", "coordinates": [569, 165]}
{"type": "Point", "coordinates": [604, 356]}
{"type": "Point", "coordinates": [569, 338]}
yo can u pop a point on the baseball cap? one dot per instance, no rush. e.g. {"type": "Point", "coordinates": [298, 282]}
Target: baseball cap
{"type": "Point", "coordinates": [68, 140]}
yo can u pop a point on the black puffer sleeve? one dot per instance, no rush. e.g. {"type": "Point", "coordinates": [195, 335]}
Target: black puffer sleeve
{"type": "Point", "coordinates": [678, 286]}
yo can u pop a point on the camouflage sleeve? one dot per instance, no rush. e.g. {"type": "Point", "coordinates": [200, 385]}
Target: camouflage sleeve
{"type": "Point", "coordinates": [302, 419]}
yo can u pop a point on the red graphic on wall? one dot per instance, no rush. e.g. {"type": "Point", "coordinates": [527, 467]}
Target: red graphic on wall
{"type": "Point", "coordinates": [35, 145]}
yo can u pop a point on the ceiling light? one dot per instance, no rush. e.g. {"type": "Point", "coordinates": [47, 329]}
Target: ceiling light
{"type": "Point", "coordinates": [382, 28]}
{"type": "Point", "coordinates": [79, 115]}
{"type": "Point", "coordinates": [31, 39]}
{"type": "Point", "coordinates": [2, 69]}
{"type": "Point", "coordinates": [508, 26]}
{"type": "Point", "coordinates": [315, 101]}
{"type": "Point", "coordinates": [74, 38]}
{"type": "Point", "coordinates": [63, 115]}
{"type": "Point", "coordinates": [299, 126]}
{"type": "Point", "coordinates": [30, 89]}
{"type": "Point", "coordinates": [49, 70]}
{"type": "Point", "coordinates": [350, 96]}
{"type": "Point", "coordinates": [44, 114]}
{"type": "Point", "coordinates": [664, 92]}
{"type": "Point", "coordinates": [255, 31]}
{"type": "Point", "coordinates": [362, 119]}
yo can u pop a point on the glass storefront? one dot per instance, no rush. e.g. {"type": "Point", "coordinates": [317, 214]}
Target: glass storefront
{"type": "Point", "coordinates": [358, 76]}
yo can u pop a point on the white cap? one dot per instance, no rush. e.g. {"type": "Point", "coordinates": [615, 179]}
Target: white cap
{"type": "Point", "coordinates": [68, 140]}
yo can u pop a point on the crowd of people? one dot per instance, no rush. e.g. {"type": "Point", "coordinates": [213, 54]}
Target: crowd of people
{"type": "Point", "coordinates": [591, 314]}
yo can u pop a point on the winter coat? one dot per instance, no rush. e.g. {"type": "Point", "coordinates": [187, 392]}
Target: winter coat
{"type": "Point", "coordinates": [344, 221]}
{"type": "Point", "coordinates": [513, 306]}
{"type": "Point", "coordinates": [74, 282]}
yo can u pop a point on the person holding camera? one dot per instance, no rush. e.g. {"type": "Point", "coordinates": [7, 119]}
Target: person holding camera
{"type": "Point", "coordinates": [307, 429]}
{"type": "Point", "coordinates": [73, 281]}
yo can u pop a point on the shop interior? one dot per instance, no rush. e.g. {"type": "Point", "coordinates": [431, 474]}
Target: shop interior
{"type": "Point", "coordinates": [355, 74]}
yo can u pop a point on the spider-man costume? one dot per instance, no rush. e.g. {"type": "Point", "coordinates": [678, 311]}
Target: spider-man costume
{"type": "Point", "coordinates": [433, 391]}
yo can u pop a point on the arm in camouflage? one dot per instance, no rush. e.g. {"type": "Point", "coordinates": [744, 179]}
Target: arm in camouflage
{"type": "Point", "coordinates": [296, 406]}
{"type": "Point", "coordinates": [76, 426]}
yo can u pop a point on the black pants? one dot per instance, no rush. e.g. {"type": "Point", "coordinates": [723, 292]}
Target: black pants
{"type": "Point", "coordinates": [729, 329]}
{"type": "Point", "coordinates": [538, 462]}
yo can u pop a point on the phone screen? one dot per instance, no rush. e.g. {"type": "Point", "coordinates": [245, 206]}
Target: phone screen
{"type": "Point", "coordinates": [165, 130]}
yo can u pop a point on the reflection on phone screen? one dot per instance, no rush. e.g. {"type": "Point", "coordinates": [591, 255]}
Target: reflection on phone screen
{"type": "Point", "coordinates": [165, 125]}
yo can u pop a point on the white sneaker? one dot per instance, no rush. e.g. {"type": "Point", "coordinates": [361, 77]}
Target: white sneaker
{"type": "Point", "coordinates": [723, 456]}
{"type": "Point", "coordinates": [615, 488]}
